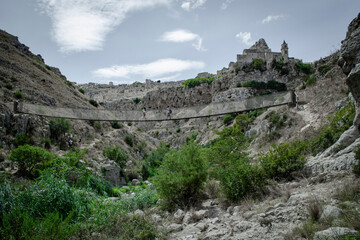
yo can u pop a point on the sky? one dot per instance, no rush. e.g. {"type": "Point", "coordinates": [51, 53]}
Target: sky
{"type": "Point", "coordinates": [126, 41]}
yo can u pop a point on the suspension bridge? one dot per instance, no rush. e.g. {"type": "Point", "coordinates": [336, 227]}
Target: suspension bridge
{"type": "Point", "coordinates": [201, 111]}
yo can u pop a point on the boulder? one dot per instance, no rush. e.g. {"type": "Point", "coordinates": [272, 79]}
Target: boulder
{"type": "Point", "coordinates": [330, 212]}
{"type": "Point", "coordinates": [112, 173]}
{"type": "Point", "coordinates": [333, 233]}
{"type": "Point", "coordinates": [135, 182]}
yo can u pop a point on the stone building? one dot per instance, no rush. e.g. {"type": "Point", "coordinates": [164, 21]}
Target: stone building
{"type": "Point", "coordinates": [261, 50]}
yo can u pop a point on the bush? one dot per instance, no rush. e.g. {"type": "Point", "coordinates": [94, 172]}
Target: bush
{"type": "Point", "coordinates": [137, 100]}
{"type": "Point", "coordinates": [82, 90]}
{"type": "Point", "coordinates": [116, 154]}
{"type": "Point", "coordinates": [115, 125]}
{"type": "Point", "coordinates": [51, 195]}
{"type": "Point", "coordinates": [18, 94]}
{"type": "Point", "coordinates": [310, 80]}
{"type": "Point", "coordinates": [329, 134]}
{"type": "Point", "coordinates": [46, 142]}
{"type": "Point", "coordinates": [324, 69]}
{"type": "Point", "coordinates": [181, 177]}
{"type": "Point", "coordinates": [129, 140]}
{"type": "Point", "coordinates": [21, 139]}
{"type": "Point", "coordinates": [240, 178]}
{"type": "Point", "coordinates": [282, 160]}
{"type": "Point", "coordinates": [153, 161]}
{"type": "Point", "coordinates": [30, 159]}
{"type": "Point", "coordinates": [101, 187]}
{"type": "Point", "coordinates": [97, 125]}
{"type": "Point", "coordinates": [258, 63]}
{"type": "Point", "coordinates": [9, 86]}
{"type": "Point", "coordinates": [227, 119]}
{"type": "Point", "coordinates": [93, 102]}
{"type": "Point", "coordinates": [59, 127]}
{"type": "Point", "coordinates": [193, 82]}
{"type": "Point", "coordinates": [304, 67]}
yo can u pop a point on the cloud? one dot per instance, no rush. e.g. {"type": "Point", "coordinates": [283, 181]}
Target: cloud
{"type": "Point", "coordinates": [271, 18]}
{"type": "Point", "coordinates": [82, 25]}
{"type": "Point", "coordinates": [245, 38]}
{"type": "Point", "coordinates": [159, 69]}
{"type": "Point", "coordinates": [225, 4]}
{"type": "Point", "coordinates": [192, 4]}
{"type": "Point", "coordinates": [183, 36]}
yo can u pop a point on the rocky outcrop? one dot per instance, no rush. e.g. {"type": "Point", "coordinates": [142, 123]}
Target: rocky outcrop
{"type": "Point", "coordinates": [349, 61]}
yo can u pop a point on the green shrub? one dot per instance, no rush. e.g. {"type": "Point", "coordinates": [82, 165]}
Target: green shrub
{"type": "Point", "coordinates": [240, 178]}
{"type": "Point", "coordinates": [282, 160]}
{"type": "Point", "coordinates": [93, 102]}
{"type": "Point", "coordinates": [193, 82]}
{"type": "Point", "coordinates": [21, 225]}
{"type": "Point", "coordinates": [329, 134]}
{"type": "Point", "coordinates": [129, 140]}
{"type": "Point", "coordinates": [227, 119]}
{"type": "Point", "coordinates": [178, 130]}
{"type": "Point", "coordinates": [310, 80]}
{"type": "Point", "coordinates": [82, 90]}
{"type": "Point", "coordinates": [51, 195]}
{"type": "Point", "coordinates": [9, 86]}
{"type": "Point", "coordinates": [192, 137]}
{"type": "Point", "coordinates": [100, 186]}
{"type": "Point", "coordinates": [18, 94]}
{"type": "Point", "coordinates": [137, 100]}
{"type": "Point", "coordinates": [181, 177]}
{"type": "Point", "coordinates": [115, 125]}
{"type": "Point", "coordinates": [129, 124]}
{"type": "Point", "coordinates": [258, 63]}
{"type": "Point", "coordinates": [97, 125]}
{"type": "Point", "coordinates": [304, 67]}
{"type": "Point", "coordinates": [46, 142]}
{"type": "Point", "coordinates": [324, 69]}
{"type": "Point", "coordinates": [356, 169]}
{"type": "Point", "coordinates": [30, 159]}
{"type": "Point", "coordinates": [116, 154]}
{"type": "Point", "coordinates": [48, 67]}
{"type": "Point", "coordinates": [58, 127]}
{"type": "Point", "coordinates": [153, 161]}
{"type": "Point", "coordinates": [21, 139]}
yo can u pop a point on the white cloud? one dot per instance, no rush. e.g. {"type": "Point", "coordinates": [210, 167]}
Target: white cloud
{"type": "Point", "coordinates": [183, 36]}
{"type": "Point", "coordinates": [245, 38]}
{"type": "Point", "coordinates": [82, 25]}
{"type": "Point", "coordinates": [192, 4]}
{"type": "Point", "coordinates": [271, 18]}
{"type": "Point", "coordinates": [225, 4]}
{"type": "Point", "coordinates": [159, 69]}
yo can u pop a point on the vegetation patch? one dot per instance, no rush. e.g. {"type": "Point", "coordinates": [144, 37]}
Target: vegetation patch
{"type": "Point", "coordinates": [193, 82]}
{"type": "Point", "coordinates": [304, 67]}
{"type": "Point", "coordinates": [181, 177]}
{"type": "Point", "coordinates": [93, 102]}
{"type": "Point", "coordinates": [116, 154]}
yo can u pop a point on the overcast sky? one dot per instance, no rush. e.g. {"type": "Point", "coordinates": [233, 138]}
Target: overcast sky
{"type": "Point", "coordinates": [124, 41]}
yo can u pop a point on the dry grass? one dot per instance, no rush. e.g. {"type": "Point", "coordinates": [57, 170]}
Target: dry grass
{"type": "Point", "coordinates": [315, 210]}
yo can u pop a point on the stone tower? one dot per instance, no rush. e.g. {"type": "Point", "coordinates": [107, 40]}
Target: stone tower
{"type": "Point", "coordinates": [285, 52]}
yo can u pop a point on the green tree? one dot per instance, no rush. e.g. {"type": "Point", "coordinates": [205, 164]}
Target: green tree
{"type": "Point", "coordinates": [59, 127]}
{"type": "Point", "coordinates": [116, 154]}
{"type": "Point", "coordinates": [181, 177]}
{"type": "Point", "coordinates": [30, 159]}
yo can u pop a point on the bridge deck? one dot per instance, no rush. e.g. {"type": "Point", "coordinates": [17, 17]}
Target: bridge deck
{"type": "Point", "coordinates": [213, 109]}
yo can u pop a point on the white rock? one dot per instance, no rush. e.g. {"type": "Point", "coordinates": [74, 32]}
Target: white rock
{"type": "Point", "coordinates": [333, 233]}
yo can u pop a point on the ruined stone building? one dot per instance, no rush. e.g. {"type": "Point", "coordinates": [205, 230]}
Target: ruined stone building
{"type": "Point", "coordinates": [261, 50]}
